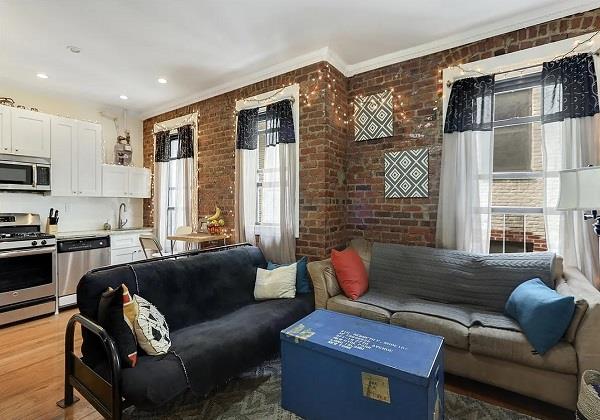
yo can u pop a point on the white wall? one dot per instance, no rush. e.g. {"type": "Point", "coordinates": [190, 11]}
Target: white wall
{"type": "Point", "coordinates": [77, 213]}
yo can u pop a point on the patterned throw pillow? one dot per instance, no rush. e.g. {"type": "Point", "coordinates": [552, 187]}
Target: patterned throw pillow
{"type": "Point", "coordinates": [151, 328]}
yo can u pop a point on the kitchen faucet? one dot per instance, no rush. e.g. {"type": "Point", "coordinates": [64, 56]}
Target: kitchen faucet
{"type": "Point", "coordinates": [121, 224]}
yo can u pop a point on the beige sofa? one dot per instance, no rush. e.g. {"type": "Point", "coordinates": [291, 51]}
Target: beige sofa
{"type": "Point", "coordinates": [498, 357]}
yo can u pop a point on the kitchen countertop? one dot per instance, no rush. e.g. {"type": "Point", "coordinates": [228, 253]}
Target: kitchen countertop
{"type": "Point", "coordinates": [100, 232]}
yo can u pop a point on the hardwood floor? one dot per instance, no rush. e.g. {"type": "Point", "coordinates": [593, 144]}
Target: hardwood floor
{"type": "Point", "coordinates": [32, 363]}
{"type": "Point", "coordinates": [32, 371]}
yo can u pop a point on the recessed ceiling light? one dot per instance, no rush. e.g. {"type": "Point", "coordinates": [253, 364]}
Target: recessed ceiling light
{"type": "Point", "coordinates": [42, 75]}
{"type": "Point", "coordinates": [124, 97]}
{"type": "Point", "coordinates": [161, 80]}
{"type": "Point", "coordinates": [74, 49]}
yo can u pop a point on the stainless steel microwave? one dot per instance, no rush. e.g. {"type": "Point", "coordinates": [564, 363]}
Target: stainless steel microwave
{"type": "Point", "coordinates": [24, 173]}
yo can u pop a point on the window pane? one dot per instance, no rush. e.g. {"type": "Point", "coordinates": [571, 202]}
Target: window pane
{"type": "Point", "coordinates": [174, 148]}
{"type": "Point", "coordinates": [270, 205]}
{"type": "Point", "coordinates": [518, 103]}
{"type": "Point", "coordinates": [173, 173]}
{"type": "Point", "coordinates": [513, 148]}
{"type": "Point", "coordinates": [170, 221]}
{"type": "Point", "coordinates": [172, 198]}
{"type": "Point", "coordinates": [517, 233]}
{"type": "Point", "coordinates": [518, 192]}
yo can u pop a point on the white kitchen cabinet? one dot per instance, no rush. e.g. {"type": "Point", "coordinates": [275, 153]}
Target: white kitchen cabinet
{"type": "Point", "coordinates": [126, 248]}
{"type": "Point", "coordinates": [115, 181]}
{"type": "Point", "coordinates": [89, 160]}
{"type": "Point", "coordinates": [5, 142]}
{"type": "Point", "coordinates": [139, 182]}
{"type": "Point", "coordinates": [76, 158]}
{"type": "Point", "coordinates": [64, 156]}
{"type": "Point", "coordinates": [121, 256]}
{"type": "Point", "coordinates": [30, 133]}
{"type": "Point", "coordinates": [125, 181]}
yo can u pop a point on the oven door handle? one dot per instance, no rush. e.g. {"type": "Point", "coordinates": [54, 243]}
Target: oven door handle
{"type": "Point", "coordinates": [28, 252]}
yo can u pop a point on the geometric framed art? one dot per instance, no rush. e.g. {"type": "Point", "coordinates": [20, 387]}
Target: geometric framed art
{"type": "Point", "coordinates": [373, 116]}
{"type": "Point", "coordinates": [407, 173]}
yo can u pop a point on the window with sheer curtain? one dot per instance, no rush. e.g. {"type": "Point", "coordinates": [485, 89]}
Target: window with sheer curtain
{"type": "Point", "coordinates": [267, 178]}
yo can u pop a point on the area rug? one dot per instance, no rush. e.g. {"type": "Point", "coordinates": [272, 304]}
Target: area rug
{"type": "Point", "coordinates": [255, 395]}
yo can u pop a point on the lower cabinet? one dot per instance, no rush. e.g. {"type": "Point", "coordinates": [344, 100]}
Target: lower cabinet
{"type": "Point", "coordinates": [127, 255]}
{"type": "Point", "coordinates": [125, 248]}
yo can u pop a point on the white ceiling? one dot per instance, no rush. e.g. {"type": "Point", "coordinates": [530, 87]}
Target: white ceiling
{"type": "Point", "coordinates": [209, 47]}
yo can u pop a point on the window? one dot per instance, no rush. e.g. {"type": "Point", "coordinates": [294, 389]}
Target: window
{"type": "Point", "coordinates": [172, 183]}
{"type": "Point", "coordinates": [518, 183]}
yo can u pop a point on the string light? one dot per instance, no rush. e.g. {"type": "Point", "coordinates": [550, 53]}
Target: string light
{"type": "Point", "coordinates": [576, 44]}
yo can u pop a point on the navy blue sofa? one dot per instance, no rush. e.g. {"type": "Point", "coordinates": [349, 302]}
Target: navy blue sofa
{"type": "Point", "coordinates": [217, 328]}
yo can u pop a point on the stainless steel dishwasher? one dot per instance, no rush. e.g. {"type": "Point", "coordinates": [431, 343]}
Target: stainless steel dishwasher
{"type": "Point", "coordinates": [77, 256]}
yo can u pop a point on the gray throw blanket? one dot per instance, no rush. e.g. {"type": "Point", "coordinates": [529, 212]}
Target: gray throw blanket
{"type": "Point", "coordinates": [473, 287]}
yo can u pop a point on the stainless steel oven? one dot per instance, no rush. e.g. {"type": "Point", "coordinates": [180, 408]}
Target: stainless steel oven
{"type": "Point", "coordinates": [28, 267]}
{"type": "Point", "coordinates": [24, 173]}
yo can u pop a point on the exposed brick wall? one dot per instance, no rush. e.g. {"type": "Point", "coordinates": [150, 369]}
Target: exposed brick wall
{"type": "Point", "coordinates": [341, 182]}
{"type": "Point", "coordinates": [418, 82]}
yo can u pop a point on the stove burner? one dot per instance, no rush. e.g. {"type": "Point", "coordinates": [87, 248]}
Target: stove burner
{"type": "Point", "coordinates": [24, 235]}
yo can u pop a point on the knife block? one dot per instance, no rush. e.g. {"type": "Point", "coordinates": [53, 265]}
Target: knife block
{"type": "Point", "coordinates": [51, 229]}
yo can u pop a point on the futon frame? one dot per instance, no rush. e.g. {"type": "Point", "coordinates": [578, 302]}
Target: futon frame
{"type": "Point", "coordinates": [104, 396]}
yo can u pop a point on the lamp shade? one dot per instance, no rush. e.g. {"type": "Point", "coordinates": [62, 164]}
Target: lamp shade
{"type": "Point", "coordinates": [579, 189]}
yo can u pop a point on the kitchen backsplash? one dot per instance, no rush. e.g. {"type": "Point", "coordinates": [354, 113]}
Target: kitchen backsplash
{"type": "Point", "coordinates": [76, 213]}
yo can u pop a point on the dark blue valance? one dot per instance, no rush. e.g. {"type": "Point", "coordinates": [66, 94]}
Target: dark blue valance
{"type": "Point", "coordinates": [280, 123]}
{"type": "Point", "coordinates": [569, 88]}
{"type": "Point", "coordinates": [470, 105]}
{"type": "Point", "coordinates": [185, 136]}
{"type": "Point", "coordinates": [162, 149]}
{"type": "Point", "coordinates": [247, 129]}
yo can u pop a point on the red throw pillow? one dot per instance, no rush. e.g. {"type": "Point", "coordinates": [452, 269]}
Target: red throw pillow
{"type": "Point", "coordinates": [350, 272]}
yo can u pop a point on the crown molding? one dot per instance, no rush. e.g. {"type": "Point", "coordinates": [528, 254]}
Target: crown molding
{"type": "Point", "coordinates": [332, 57]}
{"type": "Point", "coordinates": [322, 54]}
{"type": "Point", "coordinates": [497, 28]}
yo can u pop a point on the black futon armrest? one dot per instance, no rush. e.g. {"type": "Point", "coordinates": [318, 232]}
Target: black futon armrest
{"type": "Point", "coordinates": [104, 396]}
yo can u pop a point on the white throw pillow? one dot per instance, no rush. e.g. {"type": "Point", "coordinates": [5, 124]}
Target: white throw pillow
{"type": "Point", "coordinates": [151, 329]}
{"type": "Point", "coordinates": [275, 284]}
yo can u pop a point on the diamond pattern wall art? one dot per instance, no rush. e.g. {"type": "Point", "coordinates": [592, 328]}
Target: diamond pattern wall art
{"type": "Point", "coordinates": [373, 116]}
{"type": "Point", "coordinates": [407, 174]}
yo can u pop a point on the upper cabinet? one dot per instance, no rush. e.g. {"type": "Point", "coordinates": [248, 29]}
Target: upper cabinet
{"type": "Point", "coordinates": [89, 159]}
{"type": "Point", "coordinates": [115, 181]}
{"type": "Point", "coordinates": [76, 158]}
{"type": "Point", "coordinates": [139, 182]}
{"type": "Point", "coordinates": [125, 181]}
{"type": "Point", "coordinates": [30, 133]}
{"type": "Point", "coordinates": [64, 156]}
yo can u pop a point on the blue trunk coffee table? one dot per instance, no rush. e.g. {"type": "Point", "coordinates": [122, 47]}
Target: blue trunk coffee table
{"type": "Point", "coordinates": [337, 366]}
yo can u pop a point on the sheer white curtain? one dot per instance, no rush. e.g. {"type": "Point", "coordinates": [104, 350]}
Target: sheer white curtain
{"type": "Point", "coordinates": [464, 216]}
{"type": "Point", "coordinates": [277, 235]}
{"type": "Point", "coordinates": [246, 191]}
{"type": "Point", "coordinates": [571, 136]}
{"type": "Point", "coordinates": [246, 166]}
